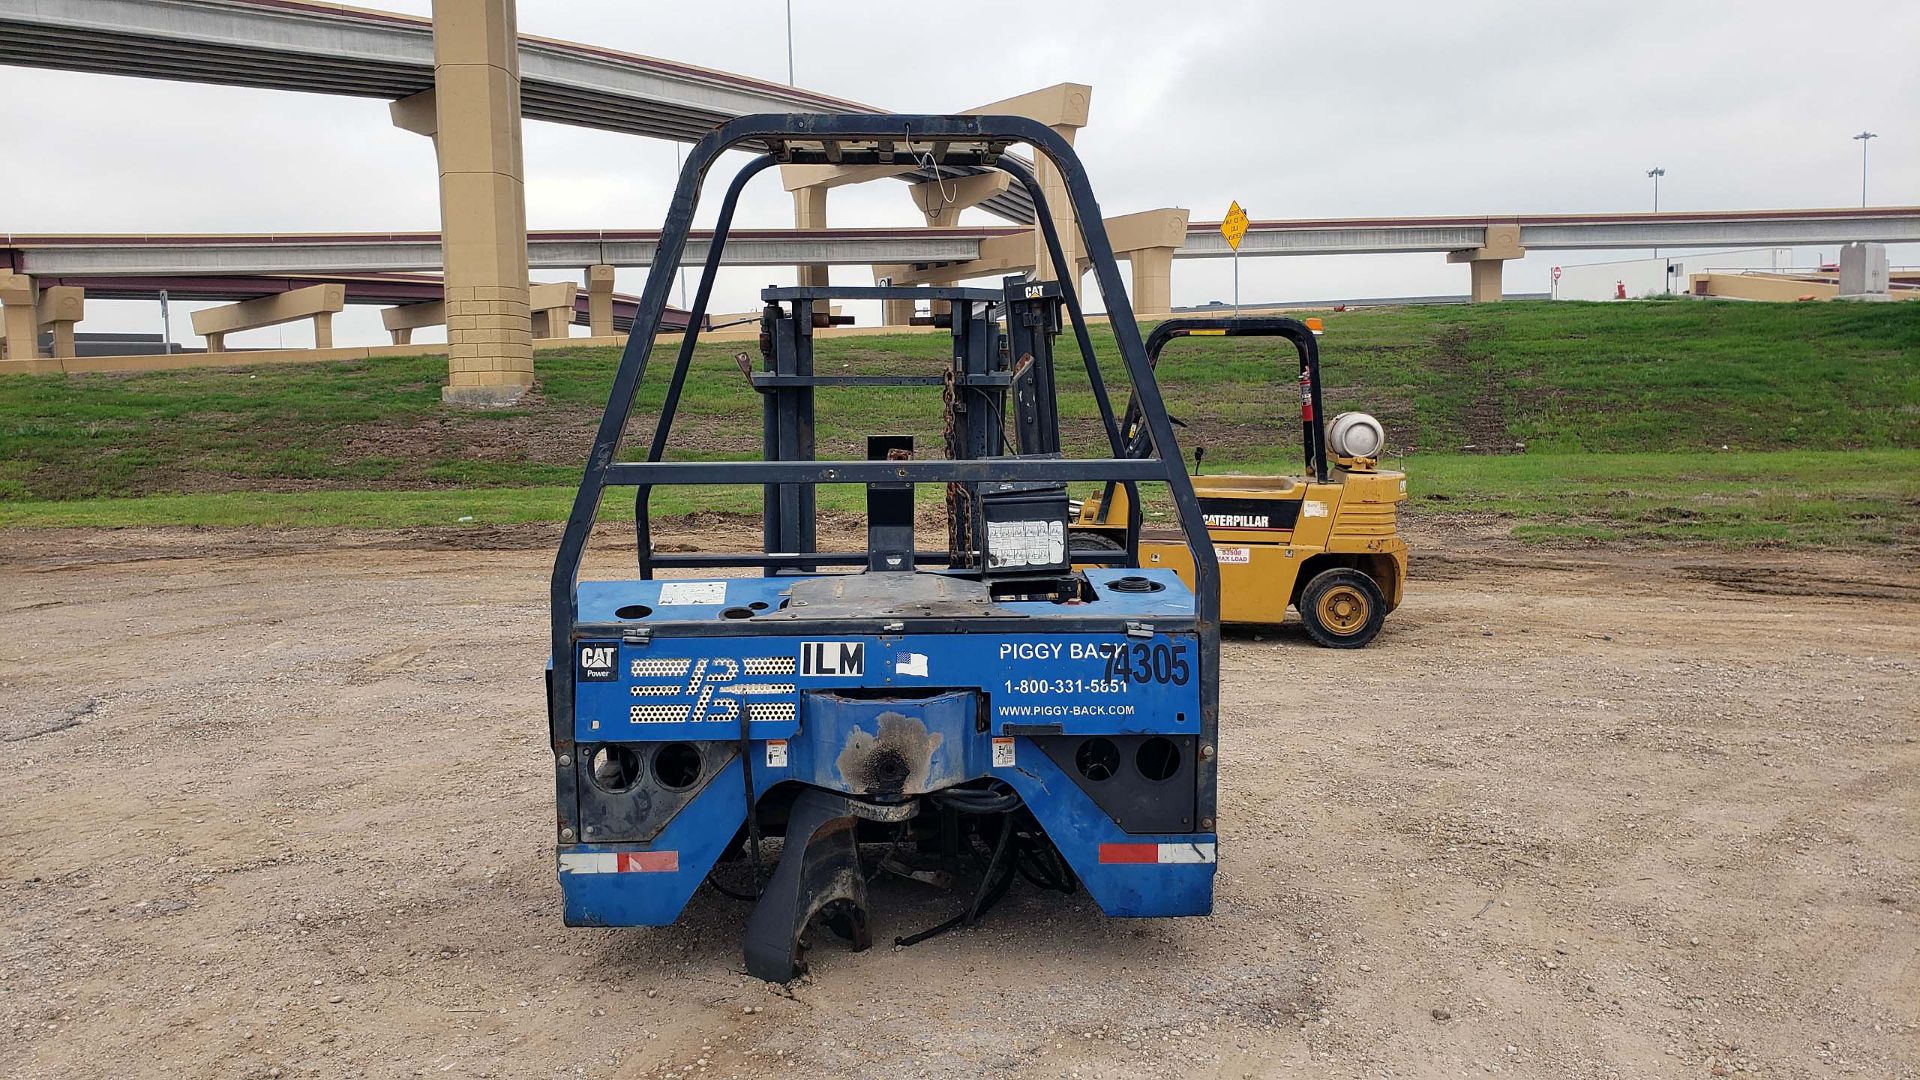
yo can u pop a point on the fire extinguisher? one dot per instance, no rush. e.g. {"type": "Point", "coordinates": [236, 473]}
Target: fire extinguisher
{"type": "Point", "coordinates": [1619, 290]}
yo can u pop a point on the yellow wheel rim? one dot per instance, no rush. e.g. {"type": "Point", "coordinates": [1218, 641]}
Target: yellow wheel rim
{"type": "Point", "coordinates": [1343, 610]}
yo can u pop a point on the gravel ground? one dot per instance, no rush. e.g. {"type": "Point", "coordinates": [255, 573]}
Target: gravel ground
{"type": "Point", "coordinates": [279, 805]}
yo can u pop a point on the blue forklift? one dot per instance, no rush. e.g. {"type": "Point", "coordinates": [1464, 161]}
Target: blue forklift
{"type": "Point", "coordinates": [1003, 701]}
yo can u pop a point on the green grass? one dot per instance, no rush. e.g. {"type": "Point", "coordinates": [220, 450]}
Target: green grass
{"type": "Point", "coordinates": [1819, 498]}
{"type": "Point", "coordinates": [1622, 411]}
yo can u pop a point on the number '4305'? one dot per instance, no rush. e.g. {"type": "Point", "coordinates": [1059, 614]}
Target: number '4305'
{"type": "Point", "coordinates": [1149, 662]}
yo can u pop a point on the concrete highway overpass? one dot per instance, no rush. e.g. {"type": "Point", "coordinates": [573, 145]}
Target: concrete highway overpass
{"type": "Point", "coordinates": [942, 250]}
{"type": "Point", "coordinates": [1563, 232]}
{"type": "Point", "coordinates": [384, 290]}
{"type": "Point", "coordinates": [324, 48]}
{"type": "Point", "coordinates": [338, 253]}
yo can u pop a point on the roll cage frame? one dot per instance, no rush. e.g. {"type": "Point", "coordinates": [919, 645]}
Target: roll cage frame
{"type": "Point", "coordinates": [1313, 423]}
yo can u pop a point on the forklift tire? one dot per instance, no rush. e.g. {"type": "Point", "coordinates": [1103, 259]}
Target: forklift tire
{"type": "Point", "coordinates": [1342, 608]}
{"type": "Point", "coordinates": [1090, 539]}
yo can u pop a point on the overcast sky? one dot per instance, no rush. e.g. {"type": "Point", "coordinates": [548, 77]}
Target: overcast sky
{"type": "Point", "coordinates": [1296, 110]}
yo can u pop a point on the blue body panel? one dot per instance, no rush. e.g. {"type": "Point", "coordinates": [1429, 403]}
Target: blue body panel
{"type": "Point", "coordinates": [697, 834]}
{"type": "Point", "coordinates": [807, 698]}
{"type": "Point", "coordinates": [1078, 828]}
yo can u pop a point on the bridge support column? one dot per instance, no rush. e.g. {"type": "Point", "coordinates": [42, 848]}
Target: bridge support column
{"type": "Point", "coordinates": [893, 312]}
{"type": "Point", "coordinates": [20, 299]}
{"type": "Point", "coordinates": [553, 308]}
{"type": "Point", "coordinates": [810, 212]}
{"type": "Point", "coordinates": [600, 300]}
{"type": "Point", "coordinates": [59, 308]}
{"type": "Point", "coordinates": [483, 212]}
{"type": "Point", "coordinates": [1147, 240]}
{"type": "Point", "coordinates": [402, 321]}
{"type": "Point", "coordinates": [1064, 109]}
{"type": "Point", "coordinates": [1152, 280]}
{"type": "Point", "coordinates": [1484, 262]}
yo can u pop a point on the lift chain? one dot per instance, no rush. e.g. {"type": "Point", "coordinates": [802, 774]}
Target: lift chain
{"type": "Point", "coordinates": [959, 514]}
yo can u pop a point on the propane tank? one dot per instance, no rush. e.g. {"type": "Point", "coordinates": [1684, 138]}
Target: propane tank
{"type": "Point", "coordinates": [1356, 435]}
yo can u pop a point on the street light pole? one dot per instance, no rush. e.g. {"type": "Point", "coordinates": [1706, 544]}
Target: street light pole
{"type": "Point", "coordinates": [1656, 173]}
{"type": "Point", "coordinates": [1862, 140]}
{"type": "Point", "coordinates": [789, 42]}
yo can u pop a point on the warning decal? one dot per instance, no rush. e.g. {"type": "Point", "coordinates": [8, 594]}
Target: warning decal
{"type": "Point", "coordinates": [1003, 752]}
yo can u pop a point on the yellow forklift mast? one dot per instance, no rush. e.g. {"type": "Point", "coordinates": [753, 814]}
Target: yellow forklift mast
{"type": "Point", "coordinates": [1326, 543]}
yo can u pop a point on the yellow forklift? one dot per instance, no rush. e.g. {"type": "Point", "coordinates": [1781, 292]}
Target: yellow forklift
{"type": "Point", "coordinates": [1326, 543]}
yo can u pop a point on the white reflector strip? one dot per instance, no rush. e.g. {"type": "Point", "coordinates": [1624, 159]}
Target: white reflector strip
{"type": "Point", "coordinates": [1186, 853]}
{"type": "Point", "coordinates": [588, 862]}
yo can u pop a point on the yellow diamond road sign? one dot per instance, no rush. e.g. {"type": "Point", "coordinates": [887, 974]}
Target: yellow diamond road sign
{"type": "Point", "coordinates": [1235, 226]}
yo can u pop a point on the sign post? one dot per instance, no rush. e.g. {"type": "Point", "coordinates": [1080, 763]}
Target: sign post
{"type": "Point", "coordinates": [1556, 283]}
{"type": "Point", "coordinates": [1234, 228]}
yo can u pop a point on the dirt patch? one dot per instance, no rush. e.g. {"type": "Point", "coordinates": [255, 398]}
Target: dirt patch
{"type": "Point", "coordinates": [1486, 399]}
{"type": "Point", "coordinates": [540, 434]}
{"type": "Point", "coordinates": [1574, 813]}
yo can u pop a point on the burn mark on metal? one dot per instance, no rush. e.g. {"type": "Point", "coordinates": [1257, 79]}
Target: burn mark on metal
{"type": "Point", "coordinates": [898, 760]}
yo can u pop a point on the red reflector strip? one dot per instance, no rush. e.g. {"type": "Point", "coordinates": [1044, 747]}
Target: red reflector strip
{"type": "Point", "coordinates": [621, 862]}
{"type": "Point", "coordinates": [1156, 853]}
{"type": "Point", "coordinates": [649, 862]}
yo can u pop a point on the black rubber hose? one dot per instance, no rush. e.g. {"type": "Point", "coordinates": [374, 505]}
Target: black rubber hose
{"type": "Point", "coordinates": [753, 804]}
{"type": "Point", "coordinates": [728, 893]}
{"type": "Point", "coordinates": [987, 895]}
{"type": "Point", "coordinates": [978, 800]}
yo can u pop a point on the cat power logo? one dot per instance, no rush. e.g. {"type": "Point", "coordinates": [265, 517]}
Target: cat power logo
{"type": "Point", "coordinates": [833, 658]}
{"type": "Point", "coordinates": [599, 661]}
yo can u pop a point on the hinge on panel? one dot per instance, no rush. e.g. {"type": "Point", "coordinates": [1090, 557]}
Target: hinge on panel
{"type": "Point", "coordinates": [1139, 629]}
{"type": "Point", "coordinates": [639, 635]}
